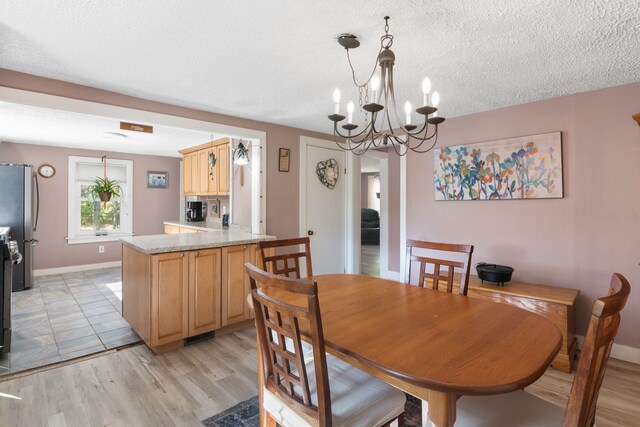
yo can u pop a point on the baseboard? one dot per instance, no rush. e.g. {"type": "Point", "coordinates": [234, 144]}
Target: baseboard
{"type": "Point", "coordinates": [74, 268]}
{"type": "Point", "coordinates": [619, 351]}
{"type": "Point", "coordinates": [390, 275]}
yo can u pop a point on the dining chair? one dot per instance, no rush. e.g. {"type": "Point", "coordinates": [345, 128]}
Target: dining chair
{"type": "Point", "coordinates": [280, 263]}
{"type": "Point", "coordinates": [450, 264]}
{"type": "Point", "coordinates": [325, 391]}
{"type": "Point", "coordinates": [523, 409]}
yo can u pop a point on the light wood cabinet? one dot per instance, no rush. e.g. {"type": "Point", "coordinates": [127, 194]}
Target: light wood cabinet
{"type": "Point", "coordinates": [200, 179]}
{"type": "Point", "coordinates": [169, 298]}
{"type": "Point", "coordinates": [222, 153]}
{"type": "Point", "coordinates": [187, 166]}
{"type": "Point", "coordinates": [172, 296]}
{"type": "Point", "coordinates": [236, 285]}
{"type": "Point", "coordinates": [171, 229]}
{"type": "Point", "coordinates": [174, 229]}
{"type": "Point", "coordinates": [204, 290]}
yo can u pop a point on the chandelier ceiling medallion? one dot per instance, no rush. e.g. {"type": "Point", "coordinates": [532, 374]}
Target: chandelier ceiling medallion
{"type": "Point", "coordinates": [382, 125]}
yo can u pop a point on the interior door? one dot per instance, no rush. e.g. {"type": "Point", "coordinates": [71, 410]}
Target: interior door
{"type": "Point", "coordinates": [325, 217]}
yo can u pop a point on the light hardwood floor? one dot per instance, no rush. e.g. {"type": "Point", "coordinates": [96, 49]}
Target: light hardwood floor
{"type": "Point", "coordinates": [132, 387]}
{"type": "Point", "coordinates": [370, 260]}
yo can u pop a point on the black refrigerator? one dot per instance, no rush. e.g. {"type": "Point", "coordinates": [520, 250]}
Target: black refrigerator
{"type": "Point", "coordinates": [19, 209]}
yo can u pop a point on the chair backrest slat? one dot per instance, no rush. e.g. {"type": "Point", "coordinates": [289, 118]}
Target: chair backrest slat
{"type": "Point", "coordinates": [603, 327]}
{"type": "Point", "coordinates": [437, 263]}
{"type": "Point", "coordinates": [281, 264]}
{"type": "Point", "coordinates": [280, 304]}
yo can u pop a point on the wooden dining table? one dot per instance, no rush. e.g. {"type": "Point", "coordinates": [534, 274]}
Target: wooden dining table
{"type": "Point", "coordinates": [431, 344]}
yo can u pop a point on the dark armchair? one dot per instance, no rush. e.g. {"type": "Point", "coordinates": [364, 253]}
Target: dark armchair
{"type": "Point", "coordinates": [370, 227]}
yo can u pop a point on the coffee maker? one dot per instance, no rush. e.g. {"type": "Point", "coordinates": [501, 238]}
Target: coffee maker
{"type": "Point", "coordinates": [196, 211]}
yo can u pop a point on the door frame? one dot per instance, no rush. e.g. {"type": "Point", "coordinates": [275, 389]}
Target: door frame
{"type": "Point", "coordinates": [352, 200]}
{"type": "Point", "coordinates": [385, 273]}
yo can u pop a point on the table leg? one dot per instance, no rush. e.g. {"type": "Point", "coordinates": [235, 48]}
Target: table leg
{"type": "Point", "coordinates": [440, 410]}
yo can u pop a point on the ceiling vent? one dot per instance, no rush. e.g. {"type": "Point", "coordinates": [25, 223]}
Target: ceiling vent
{"type": "Point", "coordinates": [134, 127]}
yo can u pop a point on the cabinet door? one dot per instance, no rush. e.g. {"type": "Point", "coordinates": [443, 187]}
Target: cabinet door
{"type": "Point", "coordinates": [186, 175]}
{"type": "Point", "coordinates": [207, 174]}
{"type": "Point", "coordinates": [169, 298]}
{"type": "Point", "coordinates": [235, 284]}
{"type": "Point", "coordinates": [204, 290]}
{"type": "Point", "coordinates": [212, 176]}
{"type": "Point", "coordinates": [171, 229]}
{"type": "Point", "coordinates": [195, 173]}
{"type": "Point", "coordinates": [223, 169]}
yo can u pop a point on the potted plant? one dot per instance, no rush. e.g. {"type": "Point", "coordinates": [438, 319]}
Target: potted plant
{"type": "Point", "coordinates": [104, 188]}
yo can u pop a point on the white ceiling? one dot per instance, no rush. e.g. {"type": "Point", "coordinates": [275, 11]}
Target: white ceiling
{"type": "Point", "coordinates": [43, 126]}
{"type": "Point", "coordinates": [279, 61]}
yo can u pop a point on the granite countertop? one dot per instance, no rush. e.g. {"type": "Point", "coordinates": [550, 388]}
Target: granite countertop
{"type": "Point", "coordinates": [162, 243]}
{"type": "Point", "coordinates": [216, 224]}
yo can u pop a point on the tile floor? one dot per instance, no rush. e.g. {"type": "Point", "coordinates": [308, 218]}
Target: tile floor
{"type": "Point", "coordinates": [66, 316]}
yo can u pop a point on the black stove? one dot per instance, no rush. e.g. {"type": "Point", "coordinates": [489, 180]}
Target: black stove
{"type": "Point", "coordinates": [9, 256]}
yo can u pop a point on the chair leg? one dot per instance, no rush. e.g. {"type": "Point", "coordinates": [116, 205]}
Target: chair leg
{"type": "Point", "coordinates": [266, 420]}
{"type": "Point", "coordinates": [396, 422]}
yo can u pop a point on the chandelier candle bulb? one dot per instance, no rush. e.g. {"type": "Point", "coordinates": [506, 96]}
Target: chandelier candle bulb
{"type": "Point", "coordinates": [336, 100]}
{"type": "Point", "coordinates": [350, 112]}
{"type": "Point", "coordinates": [407, 111]}
{"type": "Point", "coordinates": [435, 99]}
{"type": "Point", "coordinates": [375, 84]}
{"type": "Point", "coordinates": [426, 88]}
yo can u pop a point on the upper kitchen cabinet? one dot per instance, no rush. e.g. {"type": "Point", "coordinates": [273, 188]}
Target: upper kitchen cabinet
{"type": "Point", "coordinates": [205, 169]}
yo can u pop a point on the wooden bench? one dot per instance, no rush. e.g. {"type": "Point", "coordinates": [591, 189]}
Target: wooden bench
{"type": "Point", "coordinates": [556, 304]}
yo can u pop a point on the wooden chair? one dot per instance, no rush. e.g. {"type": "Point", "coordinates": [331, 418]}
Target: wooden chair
{"type": "Point", "coordinates": [325, 391]}
{"type": "Point", "coordinates": [523, 409]}
{"type": "Point", "coordinates": [270, 262]}
{"type": "Point", "coordinates": [451, 265]}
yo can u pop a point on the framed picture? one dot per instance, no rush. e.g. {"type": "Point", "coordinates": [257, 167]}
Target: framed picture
{"type": "Point", "coordinates": [283, 164]}
{"type": "Point", "coordinates": [157, 179]}
{"type": "Point", "coordinates": [214, 208]}
{"type": "Point", "coordinates": [526, 167]}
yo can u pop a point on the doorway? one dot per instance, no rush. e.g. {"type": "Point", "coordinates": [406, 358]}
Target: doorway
{"type": "Point", "coordinates": [370, 196]}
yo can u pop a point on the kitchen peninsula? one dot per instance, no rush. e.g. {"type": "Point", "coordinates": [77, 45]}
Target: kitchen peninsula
{"type": "Point", "coordinates": [177, 286]}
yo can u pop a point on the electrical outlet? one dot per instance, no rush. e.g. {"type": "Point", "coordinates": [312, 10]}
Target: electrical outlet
{"type": "Point", "coordinates": [101, 249]}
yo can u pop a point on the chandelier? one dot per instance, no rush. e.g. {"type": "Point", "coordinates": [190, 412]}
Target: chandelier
{"type": "Point", "coordinates": [377, 98]}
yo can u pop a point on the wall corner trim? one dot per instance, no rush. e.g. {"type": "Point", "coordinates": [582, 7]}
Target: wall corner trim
{"type": "Point", "coordinates": [619, 351]}
{"type": "Point", "coordinates": [75, 268]}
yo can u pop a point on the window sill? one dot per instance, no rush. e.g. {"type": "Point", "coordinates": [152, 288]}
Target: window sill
{"type": "Point", "coordinates": [96, 239]}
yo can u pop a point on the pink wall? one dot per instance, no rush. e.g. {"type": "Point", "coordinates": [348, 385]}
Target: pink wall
{"type": "Point", "coordinates": [151, 206]}
{"type": "Point", "coordinates": [282, 187]}
{"type": "Point", "coordinates": [576, 242]}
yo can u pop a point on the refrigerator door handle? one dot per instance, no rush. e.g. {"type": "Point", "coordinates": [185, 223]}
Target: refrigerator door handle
{"type": "Point", "coordinates": [35, 177]}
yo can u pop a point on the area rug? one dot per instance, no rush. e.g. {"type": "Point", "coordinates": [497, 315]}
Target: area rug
{"type": "Point", "coordinates": [245, 414]}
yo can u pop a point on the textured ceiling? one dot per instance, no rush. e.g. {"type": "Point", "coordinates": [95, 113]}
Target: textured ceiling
{"type": "Point", "coordinates": [43, 126]}
{"type": "Point", "coordinates": [278, 61]}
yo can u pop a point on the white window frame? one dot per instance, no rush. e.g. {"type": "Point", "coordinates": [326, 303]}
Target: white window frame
{"type": "Point", "coordinates": [74, 236]}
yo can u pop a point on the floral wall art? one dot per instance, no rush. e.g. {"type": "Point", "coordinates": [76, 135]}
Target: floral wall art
{"type": "Point", "coordinates": [528, 167]}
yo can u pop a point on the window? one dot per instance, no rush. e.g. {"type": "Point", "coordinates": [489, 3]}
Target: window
{"type": "Point", "coordinates": [90, 219]}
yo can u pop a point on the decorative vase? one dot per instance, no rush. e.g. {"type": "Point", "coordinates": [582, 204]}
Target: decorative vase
{"type": "Point", "coordinates": [105, 196]}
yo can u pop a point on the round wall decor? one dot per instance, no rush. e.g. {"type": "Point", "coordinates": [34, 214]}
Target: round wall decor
{"type": "Point", "coordinates": [328, 172]}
